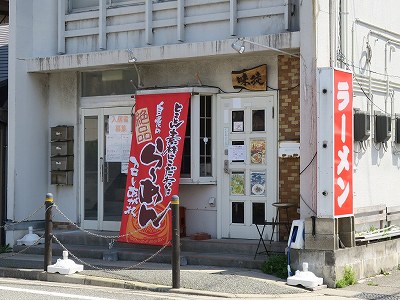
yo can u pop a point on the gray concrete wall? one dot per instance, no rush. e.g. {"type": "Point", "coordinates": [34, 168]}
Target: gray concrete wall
{"type": "Point", "coordinates": [63, 110]}
{"type": "Point", "coordinates": [366, 260]}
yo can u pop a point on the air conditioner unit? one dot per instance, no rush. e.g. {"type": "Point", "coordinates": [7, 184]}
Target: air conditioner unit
{"type": "Point", "coordinates": [361, 126]}
{"type": "Point", "coordinates": [383, 128]}
{"type": "Point", "coordinates": [397, 129]}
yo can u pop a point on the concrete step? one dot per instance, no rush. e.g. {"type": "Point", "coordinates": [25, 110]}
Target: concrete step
{"type": "Point", "coordinates": [211, 252]}
{"type": "Point", "coordinates": [130, 256]}
{"type": "Point", "coordinates": [228, 246]}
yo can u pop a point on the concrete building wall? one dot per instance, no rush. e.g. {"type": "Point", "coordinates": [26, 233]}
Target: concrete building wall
{"type": "Point", "coordinates": [28, 121]}
{"type": "Point", "coordinates": [27, 133]}
{"type": "Point", "coordinates": [373, 54]}
{"type": "Point", "coordinates": [63, 100]}
{"type": "Point", "coordinates": [346, 39]}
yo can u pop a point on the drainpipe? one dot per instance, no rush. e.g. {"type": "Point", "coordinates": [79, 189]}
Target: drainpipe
{"type": "Point", "coordinates": [386, 76]}
{"type": "Point", "coordinates": [391, 45]}
{"type": "Point", "coordinates": [332, 32]}
{"type": "Point", "coordinates": [371, 106]}
{"type": "Point", "coordinates": [344, 13]}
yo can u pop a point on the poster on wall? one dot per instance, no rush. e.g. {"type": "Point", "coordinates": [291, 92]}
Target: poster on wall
{"type": "Point", "coordinates": [154, 167]}
{"type": "Point", "coordinates": [119, 124]}
{"type": "Point", "coordinates": [118, 138]}
{"type": "Point", "coordinates": [118, 147]}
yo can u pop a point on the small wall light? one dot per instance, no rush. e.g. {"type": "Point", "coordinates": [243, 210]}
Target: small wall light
{"type": "Point", "coordinates": [132, 59]}
{"type": "Point", "coordinates": [238, 46]}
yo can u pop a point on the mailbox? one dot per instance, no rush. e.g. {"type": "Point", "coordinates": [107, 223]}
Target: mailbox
{"type": "Point", "coordinates": [62, 133]}
{"type": "Point", "coordinates": [61, 177]}
{"type": "Point", "coordinates": [62, 155]}
{"type": "Point", "coordinates": [62, 148]}
{"type": "Point", "coordinates": [62, 163]}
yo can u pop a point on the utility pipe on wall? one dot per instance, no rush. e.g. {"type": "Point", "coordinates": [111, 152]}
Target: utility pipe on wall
{"type": "Point", "coordinates": [344, 13]}
{"type": "Point", "coordinates": [332, 32]}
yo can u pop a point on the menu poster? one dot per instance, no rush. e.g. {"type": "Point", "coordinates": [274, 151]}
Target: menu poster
{"type": "Point", "coordinates": [237, 152]}
{"type": "Point", "coordinates": [257, 183]}
{"type": "Point", "coordinates": [237, 183]}
{"type": "Point", "coordinates": [126, 147]}
{"type": "Point", "coordinates": [118, 147]}
{"type": "Point", "coordinates": [257, 151]}
{"type": "Point", "coordinates": [113, 148]}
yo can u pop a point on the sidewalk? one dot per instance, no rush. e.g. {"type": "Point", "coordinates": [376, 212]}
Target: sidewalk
{"type": "Point", "coordinates": [208, 281]}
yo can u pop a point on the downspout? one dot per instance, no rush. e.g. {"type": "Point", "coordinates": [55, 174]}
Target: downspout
{"type": "Point", "coordinates": [343, 31]}
{"type": "Point", "coordinates": [332, 33]}
{"type": "Point", "coordinates": [368, 62]}
{"type": "Point", "coordinates": [386, 76]}
{"type": "Point", "coordinates": [388, 53]}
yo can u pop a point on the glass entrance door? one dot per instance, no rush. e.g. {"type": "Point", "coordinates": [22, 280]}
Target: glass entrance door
{"type": "Point", "coordinates": [106, 138]}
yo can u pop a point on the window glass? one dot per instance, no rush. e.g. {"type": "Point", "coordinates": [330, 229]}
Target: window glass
{"type": "Point", "coordinates": [91, 167]}
{"type": "Point", "coordinates": [205, 136]}
{"type": "Point", "coordinates": [186, 161]}
{"type": "Point", "coordinates": [238, 212]}
{"type": "Point", "coordinates": [202, 140]}
{"type": "Point", "coordinates": [238, 121]}
{"type": "Point", "coordinates": [110, 82]}
{"type": "Point", "coordinates": [258, 213]}
{"type": "Point", "coordinates": [79, 5]}
{"type": "Point", "coordinates": [258, 120]}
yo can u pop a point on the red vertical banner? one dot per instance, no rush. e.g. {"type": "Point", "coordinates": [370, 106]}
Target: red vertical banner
{"type": "Point", "coordinates": [343, 143]}
{"type": "Point", "coordinates": [154, 167]}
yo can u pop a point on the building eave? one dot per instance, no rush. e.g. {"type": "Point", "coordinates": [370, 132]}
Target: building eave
{"type": "Point", "coordinates": [114, 58]}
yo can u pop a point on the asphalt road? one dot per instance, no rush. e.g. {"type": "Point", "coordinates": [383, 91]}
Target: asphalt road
{"type": "Point", "coordinates": [19, 289]}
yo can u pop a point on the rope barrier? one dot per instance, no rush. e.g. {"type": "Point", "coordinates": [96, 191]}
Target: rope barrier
{"type": "Point", "coordinates": [113, 269]}
{"type": "Point", "coordinates": [5, 226]}
{"type": "Point", "coordinates": [111, 237]}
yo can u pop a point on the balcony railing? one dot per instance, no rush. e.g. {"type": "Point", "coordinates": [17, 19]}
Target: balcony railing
{"type": "Point", "coordinates": [116, 24]}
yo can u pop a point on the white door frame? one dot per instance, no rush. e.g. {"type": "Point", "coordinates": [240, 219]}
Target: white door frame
{"type": "Point", "coordinates": [221, 150]}
{"type": "Point", "coordinates": [96, 110]}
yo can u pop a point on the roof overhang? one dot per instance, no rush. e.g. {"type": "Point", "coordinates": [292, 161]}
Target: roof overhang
{"type": "Point", "coordinates": [114, 58]}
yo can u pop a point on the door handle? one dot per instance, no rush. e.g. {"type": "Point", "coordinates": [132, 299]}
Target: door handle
{"type": "Point", "coordinates": [106, 171]}
{"type": "Point", "coordinates": [226, 166]}
{"type": "Point", "coordinates": [102, 169]}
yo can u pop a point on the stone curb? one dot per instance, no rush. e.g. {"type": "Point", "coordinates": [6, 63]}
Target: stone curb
{"type": "Point", "coordinates": [30, 274]}
{"type": "Point", "coordinates": [34, 274]}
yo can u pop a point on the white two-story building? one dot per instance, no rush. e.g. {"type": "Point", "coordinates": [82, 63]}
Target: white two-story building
{"type": "Point", "coordinates": [77, 64]}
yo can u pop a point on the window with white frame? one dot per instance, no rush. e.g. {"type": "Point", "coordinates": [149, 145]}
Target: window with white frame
{"type": "Point", "coordinates": [199, 147]}
{"type": "Point", "coordinates": [197, 160]}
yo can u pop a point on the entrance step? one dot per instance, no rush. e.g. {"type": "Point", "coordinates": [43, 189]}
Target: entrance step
{"type": "Point", "coordinates": [213, 252]}
{"type": "Point", "coordinates": [234, 246]}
